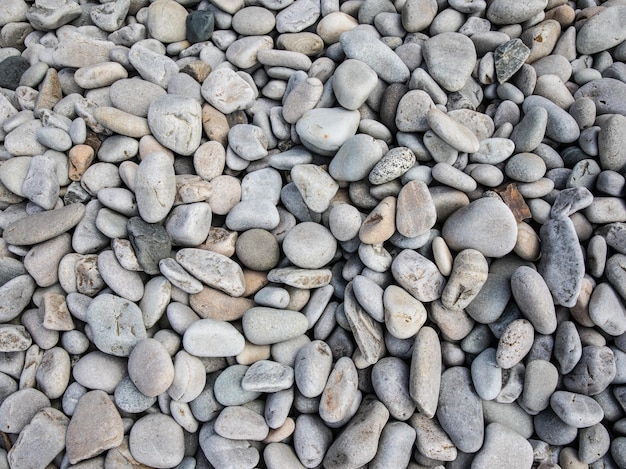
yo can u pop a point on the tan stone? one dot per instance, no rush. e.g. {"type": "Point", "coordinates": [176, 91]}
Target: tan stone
{"type": "Point", "coordinates": [215, 125]}
{"type": "Point", "coordinates": [214, 304]}
{"type": "Point", "coordinates": [255, 280]}
{"type": "Point", "coordinates": [220, 240]}
{"type": "Point", "coordinates": [81, 157]}
{"type": "Point", "coordinates": [56, 315]}
{"type": "Point", "coordinates": [198, 70]}
{"type": "Point", "coordinates": [380, 224]}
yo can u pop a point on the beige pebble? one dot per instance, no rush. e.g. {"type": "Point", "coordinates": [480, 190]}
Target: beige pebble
{"type": "Point", "coordinates": [122, 122]}
{"type": "Point", "coordinates": [56, 315]}
{"type": "Point", "coordinates": [442, 255]}
{"type": "Point", "coordinates": [80, 158]}
{"type": "Point", "coordinates": [380, 224]}
{"type": "Point", "coordinates": [220, 240]}
{"type": "Point", "coordinates": [528, 245]}
{"type": "Point", "coordinates": [214, 304]}
{"type": "Point", "coordinates": [215, 125]}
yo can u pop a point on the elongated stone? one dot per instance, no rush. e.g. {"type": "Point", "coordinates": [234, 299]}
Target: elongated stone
{"type": "Point", "coordinates": [562, 264]}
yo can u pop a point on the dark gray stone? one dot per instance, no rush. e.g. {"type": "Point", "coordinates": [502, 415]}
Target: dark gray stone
{"type": "Point", "coordinates": [11, 70]}
{"type": "Point", "coordinates": [562, 264]}
{"type": "Point", "coordinates": [150, 242]}
{"type": "Point", "coordinates": [509, 58]}
{"type": "Point", "coordinates": [200, 25]}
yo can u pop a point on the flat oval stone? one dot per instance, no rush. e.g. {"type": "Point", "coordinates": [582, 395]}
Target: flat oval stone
{"type": "Point", "coordinates": [262, 325]}
{"type": "Point", "coordinates": [561, 127]}
{"type": "Point", "coordinates": [425, 371]}
{"type": "Point", "coordinates": [427, 285]}
{"type": "Point", "coordinates": [356, 444]}
{"type": "Point", "coordinates": [355, 158]}
{"type": "Point", "coordinates": [48, 428]}
{"type": "Point", "coordinates": [116, 324]}
{"type": "Point", "coordinates": [268, 376]}
{"type": "Point", "coordinates": [561, 264]}
{"type": "Point", "coordinates": [452, 132]}
{"type": "Point", "coordinates": [340, 392]}
{"type": "Point", "coordinates": [155, 187]}
{"type": "Point", "coordinates": [324, 130]}
{"type": "Point", "coordinates": [606, 310]}
{"type": "Point", "coordinates": [312, 367]}
{"type": "Point", "coordinates": [98, 370]}
{"type": "Point", "coordinates": [486, 225]}
{"type": "Point", "coordinates": [309, 245]}
{"type": "Point", "coordinates": [124, 283]}
{"type": "Point", "coordinates": [228, 92]}
{"type": "Point", "coordinates": [577, 410]}
{"type": "Point", "coordinates": [150, 368]}
{"type": "Point", "coordinates": [129, 399]}
{"type": "Point", "coordinates": [363, 46]}
{"type": "Point", "coordinates": [43, 226]}
{"type": "Point", "coordinates": [18, 409]}
{"type": "Point", "coordinates": [315, 185]}
{"type": "Point", "coordinates": [189, 377]}
{"type": "Point", "coordinates": [157, 440]}
{"type": "Point", "coordinates": [404, 314]}
{"type": "Point", "coordinates": [353, 82]}
{"type": "Point", "coordinates": [214, 269]}
{"type": "Point", "coordinates": [460, 411]}
{"type": "Point", "coordinates": [241, 423]}
{"type": "Point", "coordinates": [212, 338]}
{"type": "Point", "coordinates": [134, 95]}
{"type": "Point", "coordinates": [534, 299]}
{"type": "Point", "coordinates": [431, 440]}
{"type": "Point", "coordinates": [593, 373]}
{"type": "Point", "coordinates": [591, 40]}
{"type": "Point", "coordinates": [227, 387]}
{"type": "Point", "coordinates": [415, 209]}
{"type": "Point", "coordinates": [486, 375]}
{"type": "Point", "coordinates": [509, 12]}
{"type": "Point", "coordinates": [390, 380]}
{"type": "Point", "coordinates": [15, 295]}
{"type": "Point", "coordinates": [540, 381]}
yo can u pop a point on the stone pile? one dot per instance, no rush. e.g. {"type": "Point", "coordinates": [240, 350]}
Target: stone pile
{"type": "Point", "coordinates": [312, 233]}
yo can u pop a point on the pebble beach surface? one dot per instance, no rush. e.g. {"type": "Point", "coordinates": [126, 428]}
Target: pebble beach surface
{"type": "Point", "coordinates": [332, 234]}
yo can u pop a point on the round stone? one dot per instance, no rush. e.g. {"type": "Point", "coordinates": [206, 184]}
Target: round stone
{"type": "Point", "coordinates": [309, 245]}
{"type": "Point", "coordinates": [157, 440]}
{"type": "Point", "coordinates": [486, 225]}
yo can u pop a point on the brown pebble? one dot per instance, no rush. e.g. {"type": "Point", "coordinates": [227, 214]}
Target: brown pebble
{"type": "Point", "coordinates": [215, 124]}
{"type": "Point", "coordinates": [198, 70]}
{"type": "Point", "coordinates": [213, 304]}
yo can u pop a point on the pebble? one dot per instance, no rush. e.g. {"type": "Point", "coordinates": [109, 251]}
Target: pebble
{"type": "Point", "coordinates": [361, 45]}
{"type": "Point", "coordinates": [116, 333]}
{"type": "Point", "coordinates": [157, 440]}
{"type": "Point", "coordinates": [577, 410]}
{"type": "Point", "coordinates": [213, 269]}
{"type": "Point", "coordinates": [212, 338]}
{"type": "Point", "coordinates": [18, 409]}
{"type": "Point", "coordinates": [472, 227]}
{"type": "Point", "coordinates": [504, 447]}
{"type": "Point", "coordinates": [561, 264]}
{"type": "Point", "coordinates": [450, 58]}
{"type": "Point", "coordinates": [97, 370]}
{"type": "Point", "coordinates": [150, 368]}
{"type": "Point", "coordinates": [594, 371]}
{"type": "Point", "coordinates": [47, 428]}
{"type": "Point", "coordinates": [425, 287]}
{"type": "Point", "coordinates": [181, 135]}
{"type": "Point", "coordinates": [459, 411]}
{"type": "Point", "coordinates": [365, 428]}
{"type": "Point", "coordinates": [94, 427]}
{"type": "Point", "coordinates": [325, 130]}
{"type": "Point", "coordinates": [515, 343]}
